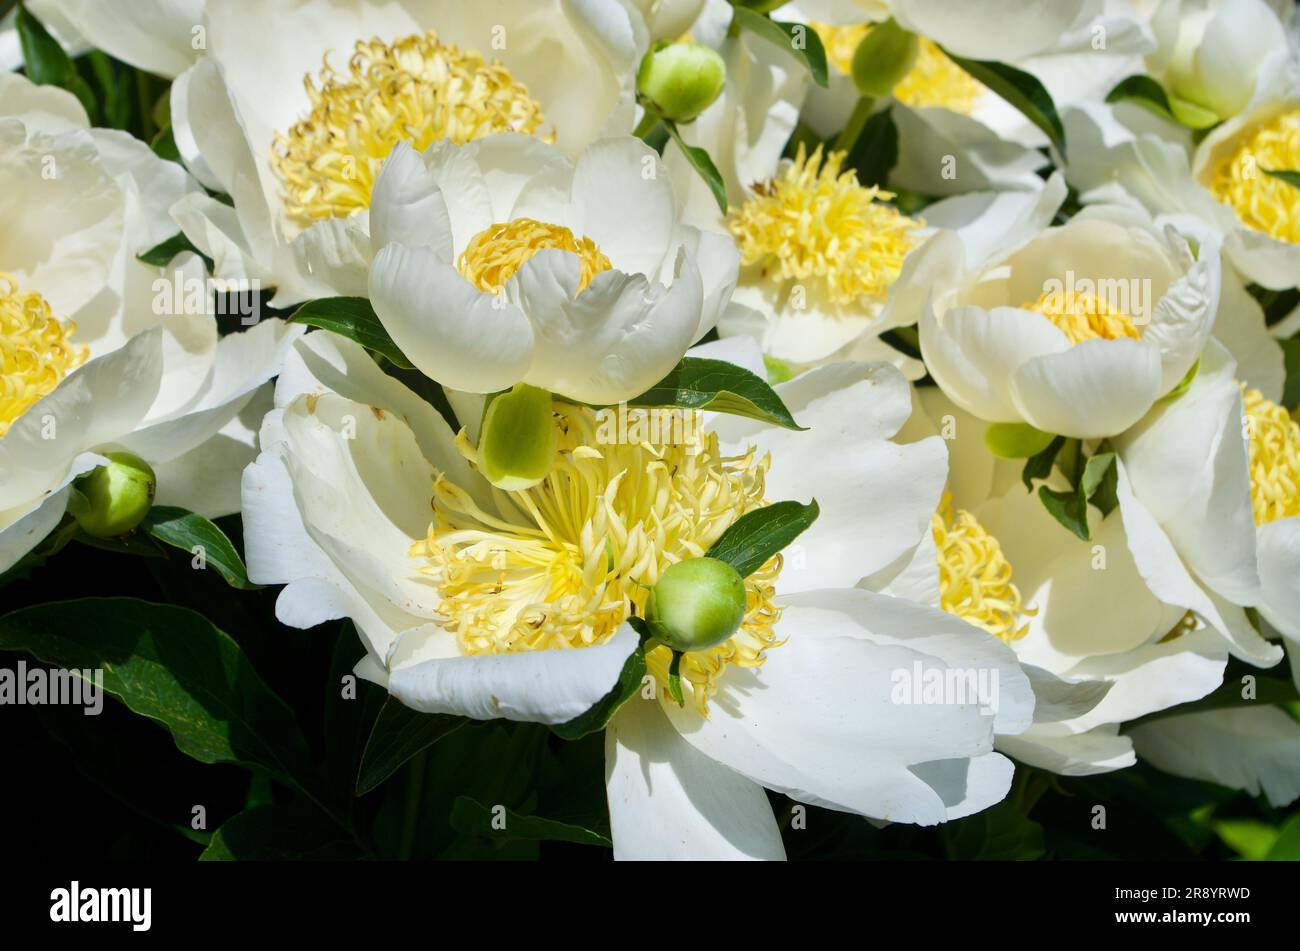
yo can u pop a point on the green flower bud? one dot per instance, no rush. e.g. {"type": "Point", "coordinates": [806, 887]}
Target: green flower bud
{"type": "Point", "coordinates": [885, 55]}
{"type": "Point", "coordinates": [113, 499]}
{"type": "Point", "coordinates": [697, 604]}
{"type": "Point", "coordinates": [681, 80]}
{"type": "Point", "coordinates": [517, 443]}
{"type": "Point", "coordinates": [1016, 440]}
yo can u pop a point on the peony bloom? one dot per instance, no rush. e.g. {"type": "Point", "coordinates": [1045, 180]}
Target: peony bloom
{"type": "Point", "coordinates": [1055, 330]}
{"type": "Point", "coordinates": [296, 133]}
{"type": "Point", "coordinates": [503, 260]}
{"type": "Point", "coordinates": [93, 356]}
{"type": "Point", "coordinates": [515, 604]}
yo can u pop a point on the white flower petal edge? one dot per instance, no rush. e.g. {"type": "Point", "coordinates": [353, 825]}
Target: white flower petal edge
{"type": "Point", "coordinates": [159, 36]}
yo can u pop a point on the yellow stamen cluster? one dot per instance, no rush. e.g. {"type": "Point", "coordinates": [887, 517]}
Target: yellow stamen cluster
{"type": "Point", "coordinates": [36, 352]}
{"type": "Point", "coordinates": [974, 576]}
{"type": "Point", "coordinates": [493, 255]}
{"type": "Point", "coordinates": [934, 79]}
{"type": "Point", "coordinates": [1262, 201]}
{"type": "Point", "coordinates": [815, 221]}
{"type": "Point", "coordinates": [1274, 459]}
{"type": "Point", "coordinates": [417, 90]}
{"type": "Point", "coordinates": [1083, 316]}
{"type": "Point", "coordinates": [564, 563]}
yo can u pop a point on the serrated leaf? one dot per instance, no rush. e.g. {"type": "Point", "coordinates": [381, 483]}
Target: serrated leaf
{"type": "Point", "coordinates": [699, 383]}
{"type": "Point", "coordinates": [173, 666]}
{"type": "Point", "coordinates": [1022, 90]}
{"type": "Point", "coordinates": [629, 681]}
{"type": "Point", "coordinates": [758, 535]}
{"type": "Point", "coordinates": [354, 318]}
{"type": "Point", "coordinates": [471, 817]}
{"type": "Point", "coordinates": [798, 39]}
{"type": "Point", "coordinates": [399, 733]}
{"type": "Point", "coordinates": [185, 530]}
{"type": "Point", "coordinates": [702, 163]}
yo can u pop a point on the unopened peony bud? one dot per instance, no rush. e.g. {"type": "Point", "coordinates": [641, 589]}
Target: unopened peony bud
{"type": "Point", "coordinates": [681, 80]}
{"type": "Point", "coordinates": [883, 58]}
{"type": "Point", "coordinates": [697, 604]}
{"type": "Point", "coordinates": [115, 498]}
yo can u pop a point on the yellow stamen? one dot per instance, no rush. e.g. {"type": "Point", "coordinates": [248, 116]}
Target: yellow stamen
{"type": "Point", "coordinates": [564, 563]}
{"type": "Point", "coordinates": [493, 255]}
{"type": "Point", "coordinates": [1261, 201]}
{"type": "Point", "coordinates": [36, 352]}
{"type": "Point", "coordinates": [974, 576]}
{"type": "Point", "coordinates": [816, 221]}
{"type": "Point", "coordinates": [934, 80]}
{"type": "Point", "coordinates": [1083, 316]}
{"type": "Point", "coordinates": [417, 90]}
{"type": "Point", "coordinates": [1274, 459]}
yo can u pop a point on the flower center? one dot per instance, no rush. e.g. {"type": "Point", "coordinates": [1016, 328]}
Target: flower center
{"type": "Point", "coordinates": [417, 90]}
{"type": "Point", "coordinates": [815, 221]}
{"type": "Point", "coordinates": [35, 350]}
{"type": "Point", "coordinates": [1274, 459]}
{"type": "Point", "coordinates": [1083, 316]}
{"type": "Point", "coordinates": [567, 561]}
{"type": "Point", "coordinates": [493, 255]}
{"type": "Point", "coordinates": [1262, 201]}
{"type": "Point", "coordinates": [974, 576]}
{"type": "Point", "coordinates": [934, 79]}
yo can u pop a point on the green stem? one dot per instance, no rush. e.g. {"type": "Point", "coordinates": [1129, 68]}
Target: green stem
{"type": "Point", "coordinates": [647, 124]}
{"type": "Point", "coordinates": [411, 806]}
{"type": "Point", "coordinates": [857, 122]}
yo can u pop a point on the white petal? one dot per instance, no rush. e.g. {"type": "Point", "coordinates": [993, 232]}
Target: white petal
{"type": "Point", "coordinates": [544, 686]}
{"type": "Point", "coordinates": [1096, 388]}
{"type": "Point", "coordinates": [1253, 748]}
{"type": "Point", "coordinates": [624, 202]}
{"type": "Point", "coordinates": [1100, 750]}
{"type": "Point", "coordinates": [452, 331]}
{"type": "Point", "coordinates": [668, 801]}
{"type": "Point", "coordinates": [407, 207]}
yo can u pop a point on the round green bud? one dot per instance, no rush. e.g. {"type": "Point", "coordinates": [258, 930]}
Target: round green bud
{"type": "Point", "coordinates": [115, 498]}
{"type": "Point", "coordinates": [681, 80]}
{"type": "Point", "coordinates": [885, 55]}
{"type": "Point", "coordinates": [697, 604]}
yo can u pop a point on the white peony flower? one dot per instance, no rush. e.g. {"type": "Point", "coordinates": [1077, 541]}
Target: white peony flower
{"type": "Point", "coordinates": [93, 356]}
{"type": "Point", "coordinates": [503, 261]}
{"type": "Point", "coordinates": [1057, 331]}
{"type": "Point", "coordinates": [514, 604]}
{"type": "Point", "coordinates": [292, 111]}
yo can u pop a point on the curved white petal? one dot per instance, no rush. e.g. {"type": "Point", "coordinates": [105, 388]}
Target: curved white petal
{"type": "Point", "coordinates": [1094, 389]}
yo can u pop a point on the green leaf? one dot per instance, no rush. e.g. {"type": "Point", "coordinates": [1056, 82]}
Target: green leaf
{"type": "Point", "coordinates": [164, 144]}
{"type": "Point", "coordinates": [630, 678]}
{"type": "Point", "coordinates": [1100, 476]}
{"type": "Point", "coordinates": [171, 665]}
{"type": "Point", "coordinates": [1040, 466]}
{"type": "Point", "coordinates": [354, 318]}
{"type": "Point", "coordinates": [699, 383]}
{"type": "Point", "coordinates": [1249, 838]}
{"type": "Point", "coordinates": [875, 153]}
{"type": "Point", "coordinates": [1068, 507]}
{"type": "Point", "coordinates": [797, 39]}
{"type": "Point", "coordinates": [758, 535]}
{"type": "Point", "coordinates": [186, 530]}
{"type": "Point", "coordinates": [702, 164]}
{"type": "Point", "coordinates": [471, 817]}
{"type": "Point", "coordinates": [1292, 178]}
{"type": "Point", "coordinates": [1287, 846]}
{"type": "Point", "coordinates": [161, 255]}
{"type": "Point", "coordinates": [1022, 90]}
{"type": "Point", "coordinates": [277, 833]}
{"type": "Point", "coordinates": [1146, 92]}
{"type": "Point", "coordinates": [997, 834]}
{"type": "Point", "coordinates": [399, 733]}
{"type": "Point", "coordinates": [1291, 390]}
{"type": "Point", "coordinates": [46, 62]}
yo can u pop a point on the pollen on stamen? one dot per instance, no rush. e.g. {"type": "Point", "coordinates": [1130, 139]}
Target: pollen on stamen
{"type": "Point", "coordinates": [1239, 180]}
{"type": "Point", "coordinates": [36, 351]}
{"type": "Point", "coordinates": [563, 564]}
{"type": "Point", "coordinates": [417, 90]}
{"type": "Point", "coordinates": [1084, 316]}
{"type": "Point", "coordinates": [815, 223]}
{"type": "Point", "coordinates": [1274, 458]}
{"type": "Point", "coordinates": [974, 575]}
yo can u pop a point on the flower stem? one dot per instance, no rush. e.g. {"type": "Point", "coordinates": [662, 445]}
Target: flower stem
{"type": "Point", "coordinates": [857, 122]}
